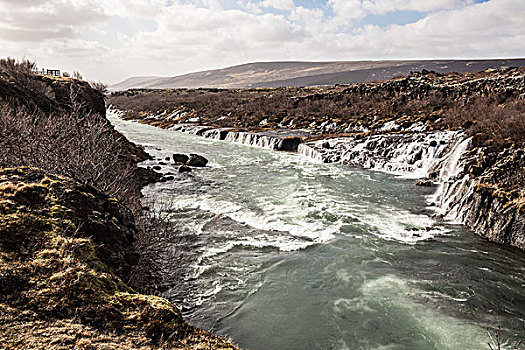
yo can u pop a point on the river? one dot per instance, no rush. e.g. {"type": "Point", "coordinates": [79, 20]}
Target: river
{"type": "Point", "coordinates": [279, 252]}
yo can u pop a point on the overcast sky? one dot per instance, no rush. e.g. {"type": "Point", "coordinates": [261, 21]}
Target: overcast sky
{"type": "Point", "coordinates": [111, 40]}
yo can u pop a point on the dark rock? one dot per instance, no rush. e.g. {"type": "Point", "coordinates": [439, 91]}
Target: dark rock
{"type": "Point", "coordinates": [197, 161]}
{"type": "Point", "coordinates": [168, 178]}
{"type": "Point", "coordinates": [147, 176]}
{"type": "Point", "coordinates": [290, 144]}
{"type": "Point", "coordinates": [476, 170]}
{"type": "Point", "coordinates": [425, 183]}
{"type": "Point", "coordinates": [162, 163]}
{"type": "Point", "coordinates": [180, 158]}
{"type": "Point", "coordinates": [433, 143]}
{"type": "Point", "coordinates": [157, 167]}
{"type": "Point", "coordinates": [184, 169]}
{"type": "Point", "coordinates": [167, 158]}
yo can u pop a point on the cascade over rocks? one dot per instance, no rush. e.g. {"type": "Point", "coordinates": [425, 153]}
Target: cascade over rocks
{"type": "Point", "coordinates": [415, 126]}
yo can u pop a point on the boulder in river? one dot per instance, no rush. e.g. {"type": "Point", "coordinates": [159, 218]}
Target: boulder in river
{"type": "Point", "coordinates": [197, 161]}
{"type": "Point", "coordinates": [180, 158]}
{"type": "Point", "coordinates": [184, 169]}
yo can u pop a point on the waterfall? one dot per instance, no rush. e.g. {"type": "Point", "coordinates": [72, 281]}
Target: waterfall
{"type": "Point", "coordinates": [454, 186]}
{"type": "Point", "coordinates": [254, 139]}
{"type": "Point", "coordinates": [416, 155]}
{"type": "Point", "coordinates": [409, 155]}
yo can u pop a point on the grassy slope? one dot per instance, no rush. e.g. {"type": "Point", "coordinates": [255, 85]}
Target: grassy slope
{"type": "Point", "coordinates": [67, 249]}
{"type": "Point", "coordinates": [58, 287]}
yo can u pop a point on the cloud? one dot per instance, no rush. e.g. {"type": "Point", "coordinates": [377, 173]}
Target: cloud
{"type": "Point", "coordinates": [279, 4]}
{"type": "Point", "coordinates": [107, 39]}
{"type": "Point", "coordinates": [346, 12]}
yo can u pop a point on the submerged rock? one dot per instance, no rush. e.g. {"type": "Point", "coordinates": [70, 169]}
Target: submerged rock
{"type": "Point", "coordinates": [184, 169]}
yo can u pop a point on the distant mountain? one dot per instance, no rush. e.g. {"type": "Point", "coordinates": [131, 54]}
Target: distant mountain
{"type": "Point", "coordinates": [133, 82]}
{"type": "Point", "coordinates": [277, 74]}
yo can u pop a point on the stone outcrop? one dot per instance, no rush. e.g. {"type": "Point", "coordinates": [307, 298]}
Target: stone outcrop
{"type": "Point", "coordinates": [50, 94]}
{"type": "Point", "coordinates": [180, 158]}
{"type": "Point", "coordinates": [197, 161]}
{"type": "Point", "coordinates": [65, 252]}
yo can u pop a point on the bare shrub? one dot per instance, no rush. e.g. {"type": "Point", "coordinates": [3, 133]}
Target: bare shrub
{"type": "Point", "coordinates": [77, 75]}
{"type": "Point", "coordinates": [156, 227]}
{"type": "Point", "coordinates": [99, 86]}
{"type": "Point", "coordinates": [20, 72]}
{"type": "Point", "coordinates": [496, 342]}
{"type": "Point", "coordinates": [74, 144]}
{"type": "Point", "coordinates": [14, 66]}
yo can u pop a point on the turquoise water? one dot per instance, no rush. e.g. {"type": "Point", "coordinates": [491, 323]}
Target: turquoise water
{"type": "Point", "coordinates": [281, 253]}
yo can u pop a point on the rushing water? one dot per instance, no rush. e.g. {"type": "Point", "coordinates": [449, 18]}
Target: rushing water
{"type": "Point", "coordinates": [283, 253]}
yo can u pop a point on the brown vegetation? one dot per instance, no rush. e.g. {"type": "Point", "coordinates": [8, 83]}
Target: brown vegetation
{"type": "Point", "coordinates": [64, 249]}
{"type": "Point", "coordinates": [65, 132]}
{"type": "Point", "coordinates": [81, 146]}
{"type": "Point", "coordinates": [489, 105]}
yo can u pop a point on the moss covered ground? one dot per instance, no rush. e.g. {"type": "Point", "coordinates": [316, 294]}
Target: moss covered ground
{"type": "Point", "coordinates": [60, 286]}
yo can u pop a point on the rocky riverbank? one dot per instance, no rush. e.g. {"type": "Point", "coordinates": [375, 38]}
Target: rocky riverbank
{"type": "Point", "coordinates": [65, 251]}
{"type": "Point", "coordinates": [71, 225]}
{"type": "Point", "coordinates": [463, 133]}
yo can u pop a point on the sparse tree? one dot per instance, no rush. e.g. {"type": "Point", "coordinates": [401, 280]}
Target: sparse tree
{"type": "Point", "coordinates": [77, 75]}
{"type": "Point", "coordinates": [99, 86]}
{"type": "Point", "coordinates": [12, 65]}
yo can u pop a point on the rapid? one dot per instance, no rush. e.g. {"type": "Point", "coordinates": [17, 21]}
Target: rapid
{"type": "Point", "coordinates": [281, 252]}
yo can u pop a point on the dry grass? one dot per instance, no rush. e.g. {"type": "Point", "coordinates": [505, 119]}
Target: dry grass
{"type": "Point", "coordinates": [491, 110]}
{"type": "Point", "coordinates": [58, 287]}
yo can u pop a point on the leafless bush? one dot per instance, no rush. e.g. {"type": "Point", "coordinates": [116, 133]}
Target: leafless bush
{"type": "Point", "coordinates": [496, 342]}
{"type": "Point", "coordinates": [12, 65]}
{"type": "Point", "coordinates": [20, 72]}
{"type": "Point", "coordinates": [99, 86]}
{"type": "Point", "coordinates": [77, 75]}
{"type": "Point", "coordinates": [156, 231]}
{"type": "Point", "coordinates": [81, 146]}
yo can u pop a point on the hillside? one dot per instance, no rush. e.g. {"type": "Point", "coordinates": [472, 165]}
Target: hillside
{"type": "Point", "coordinates": [295, 74]}
{"type": "Point", "coordinates": [72, 225]}
{"type": "Point", "coordinates": [65, 251]}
